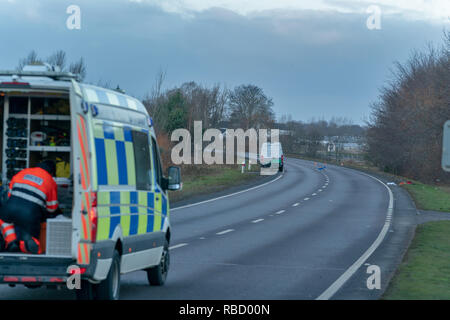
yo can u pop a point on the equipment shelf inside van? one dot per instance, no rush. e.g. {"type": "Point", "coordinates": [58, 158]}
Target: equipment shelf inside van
{"type": "Point", "coordinates": [109, 174]}
{"type": "Point", "coordinates": [36, 126]}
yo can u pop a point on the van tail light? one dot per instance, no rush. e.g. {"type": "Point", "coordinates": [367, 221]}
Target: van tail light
{"type": "Point", "coordinates": [93, 217]}
{"type": "Point", "coordinates": [282, 159]}
{"type": "Point", "coordinates": [77, 271]}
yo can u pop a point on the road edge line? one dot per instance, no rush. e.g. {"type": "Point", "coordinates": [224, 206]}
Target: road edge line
{"type": "Point", "coordinates": [331, 291]}
{"type": "Point", "coordinates": [227, 195]}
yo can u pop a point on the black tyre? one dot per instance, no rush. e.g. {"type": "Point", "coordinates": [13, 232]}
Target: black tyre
{"type": "Point", "coordinates": [109, 289]}
{"type": "Point", "coordinates": [157, 275]}
{"type": "Point", "coordinates": [86, 292]}
{"type": "Point", "coordinates": [281, 168]}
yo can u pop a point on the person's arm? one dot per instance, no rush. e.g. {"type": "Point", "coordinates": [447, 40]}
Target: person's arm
{"type": "Point", "coordinates": [52, 204]}
{"type": "Point", "coordinates": [11, 184]}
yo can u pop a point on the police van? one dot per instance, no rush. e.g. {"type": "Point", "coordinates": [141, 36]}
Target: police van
{"type": "Point", "coordinates": [110, 180]}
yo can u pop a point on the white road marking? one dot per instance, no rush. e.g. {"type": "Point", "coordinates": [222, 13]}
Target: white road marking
{"type": "Point", "coordinates": [257, 220]}
{"type": "Point", "coordinates": [314, 194]}
{"type": "Point", "coordinates": [178, 246]}
{"type": "Point", "coordinates": [226, 196]}
{"type": "Point", "coordinates": [280, 212]}
{"type": "Point", "coordinates": [327, 294]}
{"type": "Point", "coordinates": [295, 204]}
{"type": "Point", "coordinates": [306, 199]}
{"type": "Point", "coordinates": [320, 190]}
{"type": "Point", "coordinates": [224, 231]}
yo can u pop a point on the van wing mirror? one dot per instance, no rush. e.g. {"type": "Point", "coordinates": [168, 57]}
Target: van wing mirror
{"type": "Point", "coordinates": [174, 179]}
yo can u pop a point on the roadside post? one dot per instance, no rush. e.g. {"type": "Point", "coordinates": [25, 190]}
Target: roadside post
{"type": "Point", "coordinates": [243, 166]}
{"type": "Point", "coordinates": [249, 165]}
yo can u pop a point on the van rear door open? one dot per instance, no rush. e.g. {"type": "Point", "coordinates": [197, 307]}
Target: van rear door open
{"type": "Point", "coordinates": [83, 214]}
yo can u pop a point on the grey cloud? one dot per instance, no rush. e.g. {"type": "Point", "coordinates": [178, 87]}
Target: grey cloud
{"type": "Point", "coordinates": [312, 63]}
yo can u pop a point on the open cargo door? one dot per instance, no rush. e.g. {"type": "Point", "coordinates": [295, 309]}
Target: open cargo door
{"type": "Point", "coordinates": [83, 215]}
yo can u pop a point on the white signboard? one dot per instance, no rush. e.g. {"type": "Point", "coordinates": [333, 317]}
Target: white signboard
{"type": "Point", "coordinates": [446, 147]}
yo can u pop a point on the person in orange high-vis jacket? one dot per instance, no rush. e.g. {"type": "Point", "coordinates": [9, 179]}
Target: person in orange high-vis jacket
{"type": "Point", "coordinates": [32, 198]}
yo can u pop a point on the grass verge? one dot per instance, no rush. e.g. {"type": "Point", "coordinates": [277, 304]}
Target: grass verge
{"type": "Point", "coordinates": [209, 179]}
{"type": "Point", "coordinates": [425, 271]}
{"type": "Point", "coordinates": [426, 197]}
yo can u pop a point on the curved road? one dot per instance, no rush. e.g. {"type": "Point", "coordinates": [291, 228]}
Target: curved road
{"type": "Point", "coordinates": [291, 238]}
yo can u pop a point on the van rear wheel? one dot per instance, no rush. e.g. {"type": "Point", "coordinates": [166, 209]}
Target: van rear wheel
{"type": "Point", "coordinates": [157, 275]}
{"type": "Point", "coordinates": [109, 289]}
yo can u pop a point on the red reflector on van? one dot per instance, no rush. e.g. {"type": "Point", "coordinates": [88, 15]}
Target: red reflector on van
{"type": "Point", "coordinates": [56, 280]}
{"type": "Point", "coordinates": [93, 216]}
{"type": "Point", "coordinates": [28, 279]}
{"type": "Point", "coordinates": [10, 279]}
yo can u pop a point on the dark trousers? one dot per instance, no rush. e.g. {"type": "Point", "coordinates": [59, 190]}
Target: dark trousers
{"type": "Point", "coordinates": [25, 215]}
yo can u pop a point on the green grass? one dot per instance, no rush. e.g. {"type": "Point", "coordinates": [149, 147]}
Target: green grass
{"type": "Point", "coordinates": [428, 197]}
{"type": "Point", "coordinates": [425, 272]}
{"type": "Point", "coordinates": [213, 179]}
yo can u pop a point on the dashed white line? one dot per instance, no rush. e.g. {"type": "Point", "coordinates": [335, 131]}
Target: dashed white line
{"type": "Point", "coordinates": [257, 220]}
{"type": "Point", "coordinates": [295, 204]}
{"type": "Point", "coordinates": [306, 199]}
{"type": "Point", "coordinates": [320, 190]}
{"type": "Point", "coordinates": [314, 194]}
{"type": "Point", "coordinates": [280, 212]}
{"type": "Point", "coordinates": [178, 246]}
{"type": "Point", "coordinates": [224, 231]}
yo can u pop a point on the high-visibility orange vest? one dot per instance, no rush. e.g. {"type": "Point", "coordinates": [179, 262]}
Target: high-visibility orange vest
{"type": "Point", "coordinates": [35, 185]}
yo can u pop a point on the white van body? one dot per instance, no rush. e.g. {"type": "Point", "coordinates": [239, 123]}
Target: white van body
{"type": "Point", "coordinates": [271, 154]}
{"type": "Point", "coordinates": [117, 207]}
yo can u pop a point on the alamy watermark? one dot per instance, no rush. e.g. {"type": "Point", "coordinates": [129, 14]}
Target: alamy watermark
{"type": "Point", "coordinates": [374, 280]}
{"type": "Point", "coordinates": [74, 19]}
{"type": "Point", "coordinates": [187, 151]}
{"type": "Point", "coordinates": [373, 22]}
{"type": "Point", "coordinates": [74, 279]}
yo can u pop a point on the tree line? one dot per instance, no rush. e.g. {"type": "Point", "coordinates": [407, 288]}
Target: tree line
{"type": "Point", "coordinates": [404, 133]}
{"type": "Point", "coordinates": [310, 138]}
{"type": "Point", "coordinates": [246, 106]}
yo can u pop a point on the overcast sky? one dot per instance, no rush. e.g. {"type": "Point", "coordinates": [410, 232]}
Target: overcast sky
{"type": "Point", "coordinates": [314, 58]}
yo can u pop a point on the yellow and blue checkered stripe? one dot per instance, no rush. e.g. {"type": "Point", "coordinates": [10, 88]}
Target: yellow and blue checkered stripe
{"type": "Point", "coordinates": [134, 210]}
{"type": "Point", "coordinates": [114, 154]}
{"type": "Point", "coordinates": [110, 97]}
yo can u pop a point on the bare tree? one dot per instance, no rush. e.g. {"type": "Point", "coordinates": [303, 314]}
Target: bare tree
{"type": "Point", "coordinates": [250, 107]}
{"type": "Point", "coordinates": [405, 129]}
{"type": "Point", "coordinates": [79, 68]}
{"type": "Point", "coordinates": [58, 58]}
{"type": "Point", "coordinates": [31, 59]}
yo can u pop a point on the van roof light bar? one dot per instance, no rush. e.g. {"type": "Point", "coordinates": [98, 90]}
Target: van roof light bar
{"type": "Point", "coordinates": [49, 74]}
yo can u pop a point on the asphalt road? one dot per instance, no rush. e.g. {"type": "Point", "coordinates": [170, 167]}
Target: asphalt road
{"type": "Point", "coordinates": [291, 238]}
